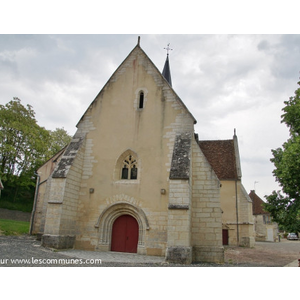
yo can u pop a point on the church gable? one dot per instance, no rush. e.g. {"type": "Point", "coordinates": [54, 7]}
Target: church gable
{"type": "Point", "coordinates": [137, 109]}
{"type": "Point", "coordinates": [130, 74]}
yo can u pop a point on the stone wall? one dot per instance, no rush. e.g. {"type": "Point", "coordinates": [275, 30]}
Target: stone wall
{"type": "Point", "coordinates": [179, 208]}
{"type": "Point", "coordinates": [40, 209]}
{"type": "Point", "coordinates": [206, 211]}
{"type": "Point", "coordinates": [14, 215]}
{"type": "Point", "coordinates": [62, 194]}
{"type": "Point", "coordinates": [241, 226]}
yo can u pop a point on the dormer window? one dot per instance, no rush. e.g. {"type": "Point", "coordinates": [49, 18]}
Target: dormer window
{"type": "Point", "coordinates": [141, 100]}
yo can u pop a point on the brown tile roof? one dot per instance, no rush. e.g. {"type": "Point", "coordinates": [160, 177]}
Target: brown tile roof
{"type": "Point", "coordinates": [257, 206]}
{"type": "Point", "coordinates": [221, 156]}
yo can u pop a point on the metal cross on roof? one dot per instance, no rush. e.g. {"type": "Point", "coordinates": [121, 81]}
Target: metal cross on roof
{"type": "Point", "coordinates": [168, 48]}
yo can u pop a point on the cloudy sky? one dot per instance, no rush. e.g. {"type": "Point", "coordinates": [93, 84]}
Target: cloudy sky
{"type": "Point", "coordinates": [227, 81]}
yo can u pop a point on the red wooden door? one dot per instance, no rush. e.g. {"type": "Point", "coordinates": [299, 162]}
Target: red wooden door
{"type": "Point", "coordinates": [125, 234]}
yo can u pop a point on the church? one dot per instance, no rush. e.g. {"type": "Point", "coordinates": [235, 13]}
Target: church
{"type": "Point", "coordinates": [134, 178]}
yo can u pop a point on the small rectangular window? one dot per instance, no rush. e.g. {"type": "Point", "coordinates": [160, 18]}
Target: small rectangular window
{"type": "Point", "coordinates": [141, 103]}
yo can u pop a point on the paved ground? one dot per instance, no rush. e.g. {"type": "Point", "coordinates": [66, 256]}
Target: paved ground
{"type": "Point", "coordinates": [265, 254]}
{"type": "Point", "coordinates": [285, 253]}
{"type": "Point", "coordinates": [26, 251]}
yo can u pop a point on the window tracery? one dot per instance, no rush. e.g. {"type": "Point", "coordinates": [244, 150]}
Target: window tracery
{"type": "Point", "coordinates": [129, 168]}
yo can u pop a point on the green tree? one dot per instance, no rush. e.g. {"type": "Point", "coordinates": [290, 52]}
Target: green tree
{"type": "Point", "coordinates": [284, 206]}
{"type": "Point", "coordinates": [24, 146]}
{"type": "Point", "coordinates": [59, 138]}
{"type": "Point", "coordinates": [22, 142]}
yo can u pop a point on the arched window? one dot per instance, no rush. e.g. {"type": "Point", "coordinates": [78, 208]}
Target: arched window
{"type": "Point", "coordinates": [141, 100]}
{"type": "Point", "coordinates": [126, 167]}
{"type": "Point", "coordinates": [129, 168]}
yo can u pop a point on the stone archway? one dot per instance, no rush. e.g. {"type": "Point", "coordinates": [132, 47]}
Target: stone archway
{"type": "Point", "coordinates": [110, 214]}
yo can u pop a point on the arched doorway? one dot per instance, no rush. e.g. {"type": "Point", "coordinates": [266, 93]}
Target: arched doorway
{"type": "Point", "coordinates": [125, 234]}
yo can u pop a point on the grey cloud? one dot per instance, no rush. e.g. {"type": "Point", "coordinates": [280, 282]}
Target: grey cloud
{"type": "Point", "coordinates": [226, 81]}
{"type": "Point", "coordinates": [285, 53]}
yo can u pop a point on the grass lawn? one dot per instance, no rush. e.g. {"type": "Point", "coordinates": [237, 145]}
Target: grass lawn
{"type": "Point", "coordinates": [12, 227]}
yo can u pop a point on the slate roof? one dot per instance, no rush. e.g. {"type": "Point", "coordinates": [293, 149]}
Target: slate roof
{"type": "Point", "coordinates": [56, 156]}
{"type": "Point", "coordinates": [221, 156]}
{"type": "Point", "coordinates": [62, 169]}
{"type": "Point", "coordinates": [180, 166]}
{"type": "Point", "coordinates": [167, 71]}
{"type": "Point", "coordinates": [257, 204]}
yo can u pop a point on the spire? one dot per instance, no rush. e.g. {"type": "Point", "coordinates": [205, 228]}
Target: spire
{"type": "Point", "coordinates": [167, 71]}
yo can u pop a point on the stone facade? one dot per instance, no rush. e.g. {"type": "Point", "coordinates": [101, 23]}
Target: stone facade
{"type": "Point", "coordinates": [134, 153]}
